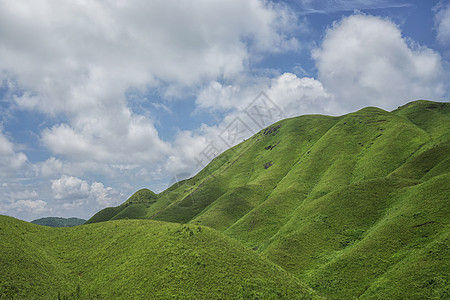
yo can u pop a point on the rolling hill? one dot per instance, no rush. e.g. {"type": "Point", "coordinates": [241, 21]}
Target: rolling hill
{"type": "Point", "coordinates": [135, 259]}
{"type": "Point", "coordinates": [355, 205]}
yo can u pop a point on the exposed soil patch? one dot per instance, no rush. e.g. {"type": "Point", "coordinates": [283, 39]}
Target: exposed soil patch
{"type": "Point", "coordinates": [374, 121]}
{"type": "Point", "coordinates": [271, 130]}
{"type": "Point", "coordinates": [270, 147]}
{"type": "Point", "coordinates": [268, 164]}
{"type": "Point", "coordinates": [436, 106]}
{"type": "Point", "coordinates": [426, 223]}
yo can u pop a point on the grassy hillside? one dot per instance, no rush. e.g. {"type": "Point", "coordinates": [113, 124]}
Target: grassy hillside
{"type": "Point", "coordinates": [59, 222]}
{"type": "Point", "coordinates": [134, 208]}
{"type": "Point", "coordinates": [350, 204]}
{"type": "Point", "coordinates": [135, 259]}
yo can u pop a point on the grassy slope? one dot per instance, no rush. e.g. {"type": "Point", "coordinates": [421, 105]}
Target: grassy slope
{"type": "Point", "coordinates": [134, 208]}
{"type": "Point", "coordinates": [135, 259]}
{"type": "Point", "coordinates": [332, 206]}
{"type": "Point", "coordinates": [355, 240]}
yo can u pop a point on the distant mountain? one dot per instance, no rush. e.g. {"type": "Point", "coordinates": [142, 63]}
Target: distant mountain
{"type": "Point", "coordinates": [59, 222]}
{"type": "Point", "coordinates": [355, 205]}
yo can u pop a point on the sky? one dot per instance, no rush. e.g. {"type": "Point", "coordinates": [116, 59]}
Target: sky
{"type": "Point", "coordinates": [101, 98]}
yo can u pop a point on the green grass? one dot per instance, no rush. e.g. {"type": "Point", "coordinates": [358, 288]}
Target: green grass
{"type": "Point", "coordinates": [143, 196]}
{"type": "Point", "coordinates": [356, 206]}
{"type": "Point", "coordinates": [134, 208]}
{"type": "Point", "coordinates": [349, 242]}
{"type": "Point", "coordinates": [135, 259]}
{"type": "Point", "coordinates": [324, 209]}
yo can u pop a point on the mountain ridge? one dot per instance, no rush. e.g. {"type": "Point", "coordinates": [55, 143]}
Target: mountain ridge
{"type": "Point", "coordinates": [271, 191]}
{"type": "Point", "coordinates": [352, 206]}
{"type": "Point", "coordinates": [373, 111]}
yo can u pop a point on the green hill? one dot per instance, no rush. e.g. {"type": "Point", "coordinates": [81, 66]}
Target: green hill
{"type": "Point", "coordinates": [134, 208]}
{"type": "Point", "coordinates": [356, 205]}
{"type": "Point", "coordinates": [135, 259]}
{"type": "Point", "coordinates": [59, 222]}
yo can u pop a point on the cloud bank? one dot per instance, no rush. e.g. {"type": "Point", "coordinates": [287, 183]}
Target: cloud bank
{"type": "Point", "coordinates": [442, 23]}
{"type": "Point", "coordinates": [364, 60]}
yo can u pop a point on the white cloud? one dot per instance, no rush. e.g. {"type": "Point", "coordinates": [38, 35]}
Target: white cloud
{"type": "Point", "coordinates": [105, 196]}
{"type": "Point", "coordinates": [70, 188]}
{"type": "Point", "coordinates": [100, 141]}
{"type": "Point", "coordinates": [80, 59]}
{"type": "Point", "coordinates": [333, 6]}
{"type": "Point", "coordinates": [442, 23]}
{"type": "Point", "coordinates": [74, 192]}
{"type": "Point", "coordinates": [51, 166]}
{"type": "Point", "coordinates": [65, 196]}
{"type": "Point", "coordinates": [21, 202]}
{"type": "Point", "coordinates": [217, 96]}
{"type": "Point", "coordinates": [187, 149]}
{"type": "Point", "coordinates": [294, 95]}
{"type": "Point", "coordinates": [34, 207]}
{"type": "Point", "coordinates": [21, 195]}
{"type": "Point", "coordinates": [55, 167]}
{"type": "Point", "coordinates": [11, 161]}
{"type": "Point", "coordinates": [364, 60]}
{"type": "Point", "coordinates": [298, 96]}
{"type": "Point", "coordinates": [78, 55]}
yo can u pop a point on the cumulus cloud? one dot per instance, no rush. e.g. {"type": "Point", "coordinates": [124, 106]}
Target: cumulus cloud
{"type": "Point", "coordinates": [51, 166]}
{"type": "Point", "coordinates": [442, 23]}
{"type": "Point", "coordinates": [74, 56]}
{"type": "Point", "coordinates": [298, 96]}
{"type": "Point", "coordinates": [294, 95]}
{"type": "Point", "coordinates": [187, 148]}
{"type": "Point", "coordinates": [22, 202]}
{"type": "Point", "coordinates": [219, 96]}
{"type": "Point", "coordinates": [65, 196]}
{"type": "Point", "coordinates": [21, 195]}
{"type": "Point", "coordinates": [107, 138]}
{"type": "Point", "coordinates": [70, 188]}
{"type": "Point", "coordinates": [332, 6]}
{"type": "Point", "coordinates": [79, 59]}
{"type": "Point", "coordinates": [11, 161]}
{"type": "Point", "coordinates": [55, 167]}
{"type": "Point", "coordinates": [364, 60]}
{"type": "Point", "coordinates": [105, 196]}
{"type": "Point", "coordinates": [75, 191]}
{"type": "Point", "coordinates": [28, 206]}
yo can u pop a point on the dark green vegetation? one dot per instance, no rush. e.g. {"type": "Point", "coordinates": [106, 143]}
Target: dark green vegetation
{"type": "Point", "coordinates": [355, 206]}
{"type": "Point", "coordinates": [59, 222]}
{"type": "Point", "coordinates": [135, 259]}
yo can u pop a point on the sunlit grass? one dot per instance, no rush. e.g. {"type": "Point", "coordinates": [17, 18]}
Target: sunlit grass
{"type": "Point", "coordinates": [354, 206]}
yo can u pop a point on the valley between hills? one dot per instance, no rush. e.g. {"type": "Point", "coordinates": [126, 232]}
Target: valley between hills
{"type": "Point", "coordinates": [312, 207]}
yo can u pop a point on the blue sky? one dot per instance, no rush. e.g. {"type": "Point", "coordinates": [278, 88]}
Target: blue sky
{"type": "Point", "coordinates": [101, 98]}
